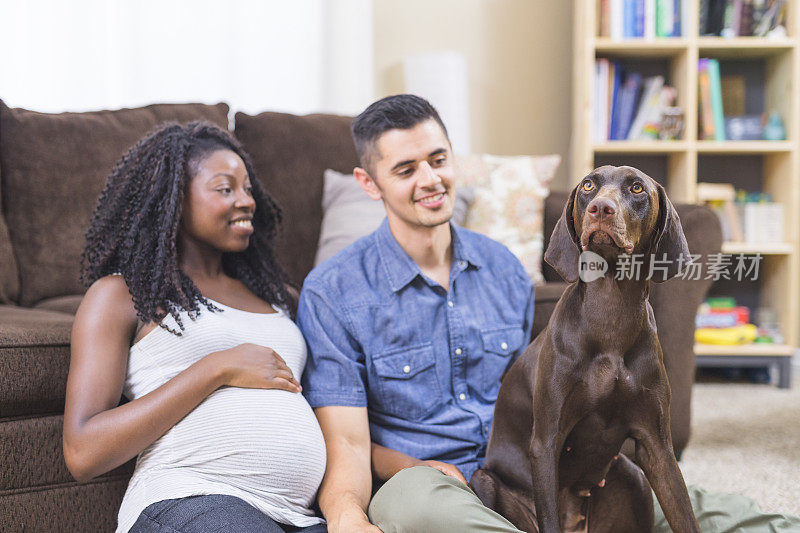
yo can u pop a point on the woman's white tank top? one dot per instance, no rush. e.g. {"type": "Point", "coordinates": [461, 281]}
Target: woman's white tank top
{"type": "Point", "coordinates": [263, 446]}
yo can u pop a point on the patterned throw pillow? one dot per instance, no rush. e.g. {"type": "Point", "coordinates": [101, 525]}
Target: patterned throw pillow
{"type": "Point", "coordinates": [509, 202]}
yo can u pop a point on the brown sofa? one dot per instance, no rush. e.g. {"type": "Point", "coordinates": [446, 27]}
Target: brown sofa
{"type": "Point", "coordinates": [52, 168]}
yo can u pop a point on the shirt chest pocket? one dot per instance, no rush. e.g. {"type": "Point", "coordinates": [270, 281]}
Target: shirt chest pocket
{"type": "Point", "coordinates": [405, 383]}
{"type": "Point", "coordinates": [499, 344]}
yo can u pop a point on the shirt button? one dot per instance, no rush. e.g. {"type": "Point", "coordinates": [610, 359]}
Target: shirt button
{"type": "Point", "coordinates": [406, 369]}
{"type": "Point", "coordinates": [462, 264]}
{"type": "Point", "coordinates": [450, 304]}
{"type": "Point", "coordinates": [462, 396]}
{"type": "Point", "coordinates": [458, 351]}
{"type": "Point", "coordinates": [504, 346]}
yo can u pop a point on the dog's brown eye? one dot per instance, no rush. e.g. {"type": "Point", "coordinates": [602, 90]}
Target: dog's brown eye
{"type": "Point", "coordinates": [588, 186]}
{"type": "Point", "coordinates": [637, 188]}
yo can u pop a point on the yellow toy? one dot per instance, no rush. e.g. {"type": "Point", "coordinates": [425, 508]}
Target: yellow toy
{"type": "Point", "coordinates": [743, 334]}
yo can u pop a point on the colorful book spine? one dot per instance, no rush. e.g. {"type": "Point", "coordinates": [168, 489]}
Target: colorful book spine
{"type": "Point", "coordinates": [627, 105]}
{"type": "Point", "coordinates": [601, 100]}
{"type": "Point", "coordinates": [702, 25]}
{"type": "Point", "coordinates": [649, 19]}
{"type": "Point", "coordinates": [716, 17]}
{"type": "Point", "coordinates": [595, 103]}
{"type": "Point", "coordinates": [612, 67]}
{"type": "Point", "coordinates": [747, 20]}
{"type": "Point", "coordinates": [650, 97]}
{"type": "Point", "coordinates": [738, 6]}
{"type": "Point", "coordinates": [605, 18]}
{"type": "Point", "coordinates": [704, 99]}
{"type": "Point", "coordinates": [639, 19]}
{"type": "Point", "coordinates": [729, 19]}
{"type": "Point", "coordinates": [664, 13]}
{"type": "Point", "coordinates": [629, 27]}
{"type": "Point", "coordinates": [676, 18]}
{"type": "Point", "coordinates": [715, 85]}
{"type": "Point", "coordinates": [616, 97]}
{"type": "Point", "coordinates": [617, 23]}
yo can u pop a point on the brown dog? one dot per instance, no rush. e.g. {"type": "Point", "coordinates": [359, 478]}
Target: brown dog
{"type": "Point", "coordinates": [594, 377]}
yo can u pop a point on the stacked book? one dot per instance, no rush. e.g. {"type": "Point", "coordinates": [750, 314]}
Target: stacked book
{"type": "Point", "coordinates": [721, 321]}
{"type": "Point", "coordinates": [626, 105]}
{"type": "Point", "coordinates": [744, 217]}
{"type": "Point", "coordinates": [647, 19]}
{"type": "Point", "coordinates": [742, 18]}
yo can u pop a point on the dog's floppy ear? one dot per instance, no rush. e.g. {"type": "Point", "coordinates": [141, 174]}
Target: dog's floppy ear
{"type": "Point", "coordinates": [563, 251]}
{"type": "Point", "coordinates": [669, 242]}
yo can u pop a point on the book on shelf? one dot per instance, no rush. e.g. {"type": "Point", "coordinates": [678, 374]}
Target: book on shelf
{"type": "Point", "coordinates": [649, 107]}
{"type": "Point", "coordinates": [629, 95]}
{"type": "Point", "coordinates": [704, 100]}
{"type": "Point", "coordinates": [715, 84]}
{"type": "Point", "coordinates": [702, 19]}
{"type": "Point", "coordinates": [712, 117]}
{"type": "Point", "coordinates": [769, 18]}
{"type": "Point", "coordinates": [600, 106]}
{"type": "Point", "coordinates": [744, 217]}
{"type": "Point", "coordinates": [741, 18]}
{"type": "Point", "coordinates": [615, 99]}
{"type": "Point", "coordinates": [632, 19]}
{"type": "Point", "coordinates": [721, 198]}
{"type": "Point", "coordinates": [619, 113]}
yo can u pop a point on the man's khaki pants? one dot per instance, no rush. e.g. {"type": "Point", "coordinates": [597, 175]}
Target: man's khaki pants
{"type": "Point", "coordinates": [424, 500]}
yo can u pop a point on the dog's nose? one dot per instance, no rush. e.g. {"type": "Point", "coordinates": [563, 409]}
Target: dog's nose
{"type": "Point", "coordinates": [601, 208]}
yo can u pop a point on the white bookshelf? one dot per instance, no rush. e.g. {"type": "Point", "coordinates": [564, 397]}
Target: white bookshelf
{"type": "Point", "coordinates": [780, 274]}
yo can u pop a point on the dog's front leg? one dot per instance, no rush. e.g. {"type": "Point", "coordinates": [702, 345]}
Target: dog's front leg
{"type": "Point", "coordinates": [655, 457]}
{"type": "Point", "coordinates": [544, 469]}
{"type": "Point", "coordinates": [555, 412]}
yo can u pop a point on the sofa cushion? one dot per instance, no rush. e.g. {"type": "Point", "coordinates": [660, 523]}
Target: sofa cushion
{"type": "Point", "coordinates": [34, 349]}
{"type": "Point", "coordinates": [35, 456]}
{"type": "Point", "coordinates": [62, 304]}
{"type": "Point", "coordinates": [290, 154]}
{"type": "Point", "coordinates": [9, 275]}
{"type": "Point", "coordinates": [69, 507]}
{"type": "Point", "coordinates": [54, 167]}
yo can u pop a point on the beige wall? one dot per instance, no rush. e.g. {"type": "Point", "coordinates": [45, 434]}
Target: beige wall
{"type": "Point", "coordinates": [519, 55]}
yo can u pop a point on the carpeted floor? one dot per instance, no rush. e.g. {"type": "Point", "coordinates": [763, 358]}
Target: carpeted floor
{"type": "Point", "coordinates": [746, 440]}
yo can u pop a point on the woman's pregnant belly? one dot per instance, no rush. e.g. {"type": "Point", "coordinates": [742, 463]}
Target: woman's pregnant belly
{"type": "Point", "coordinates": [254, 439]}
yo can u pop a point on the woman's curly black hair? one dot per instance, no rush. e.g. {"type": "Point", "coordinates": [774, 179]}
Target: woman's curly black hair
{"type": "Point", "coordinates": [134, 228]}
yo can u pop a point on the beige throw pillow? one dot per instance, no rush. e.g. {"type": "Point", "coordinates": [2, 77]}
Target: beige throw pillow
{"type": "Point", "coordinates": [509, 202]}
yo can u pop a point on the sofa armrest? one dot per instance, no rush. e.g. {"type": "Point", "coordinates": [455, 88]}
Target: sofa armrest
{"type": "Point", "coordinates": [675, 304]}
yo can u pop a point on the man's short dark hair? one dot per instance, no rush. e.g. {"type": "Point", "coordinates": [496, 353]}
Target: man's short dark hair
{"type": "Point", "coordinates": [400, 111]}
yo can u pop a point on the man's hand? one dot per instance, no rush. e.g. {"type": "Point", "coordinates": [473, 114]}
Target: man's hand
{"type": "Point", "coordinates": [447, 469]}
{"type": "Point", "coordinates": [387, 462]}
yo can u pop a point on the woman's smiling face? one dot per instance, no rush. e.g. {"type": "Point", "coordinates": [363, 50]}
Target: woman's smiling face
{"type": "Point", "coordinates": [218, 204]}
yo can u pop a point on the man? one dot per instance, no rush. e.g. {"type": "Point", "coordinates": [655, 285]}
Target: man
{"type": "Point", "coordinates": [409, 331]}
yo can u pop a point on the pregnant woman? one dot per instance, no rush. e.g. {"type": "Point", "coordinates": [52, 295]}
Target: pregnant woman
{"type": "Point", "coordinates": [189, 315]}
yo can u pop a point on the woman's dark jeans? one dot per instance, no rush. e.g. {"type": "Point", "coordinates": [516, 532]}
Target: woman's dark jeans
{"type": "Point", "coordinates": [211, 513]}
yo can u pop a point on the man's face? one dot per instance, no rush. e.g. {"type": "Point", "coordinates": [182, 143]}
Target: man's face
{"type": "Point", "coordinates": [413, 175]}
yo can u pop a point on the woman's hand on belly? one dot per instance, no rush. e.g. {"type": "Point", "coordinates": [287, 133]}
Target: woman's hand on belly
{"type": "Point", "coordinates": [255, 367]}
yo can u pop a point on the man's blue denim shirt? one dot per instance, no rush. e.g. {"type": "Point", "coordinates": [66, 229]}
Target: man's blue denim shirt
{"type": "Point", "coordinates": [425, 361]}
